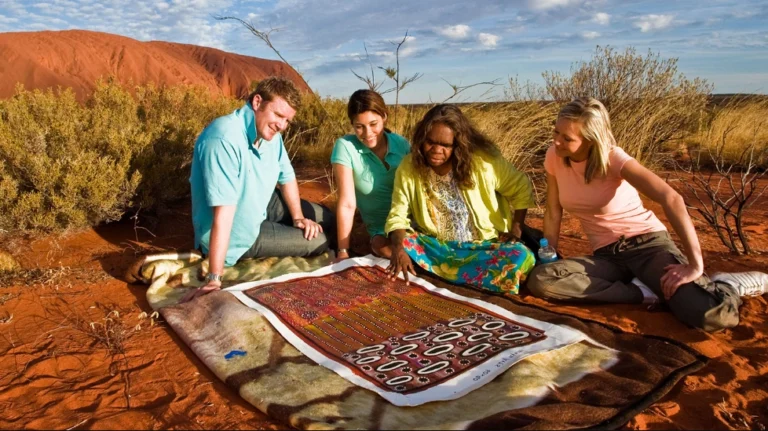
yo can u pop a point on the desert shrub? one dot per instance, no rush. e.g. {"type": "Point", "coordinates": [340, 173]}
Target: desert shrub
{"type": "Point", "coordinates": [317, 125]}
{"type": "Point", "coordinates": [171, 119]}
{"type": "Point", "coordinates": [64, 165]}
{"type": "Point", "coordinates": [52, 175]}
{"type": "Point", "coordinates": [652, 105]}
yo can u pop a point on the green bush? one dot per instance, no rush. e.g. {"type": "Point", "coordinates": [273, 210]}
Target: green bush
{"type": "Point", "coordinates": [172, 118]}
{"type": "Point", "coordinates": [52, 175]}
{"type": "Point", "coordinates": [65, 166]}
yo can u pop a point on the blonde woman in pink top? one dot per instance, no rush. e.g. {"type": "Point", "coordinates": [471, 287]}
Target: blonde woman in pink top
{"type": "Point", "coordinates": [634, 260]}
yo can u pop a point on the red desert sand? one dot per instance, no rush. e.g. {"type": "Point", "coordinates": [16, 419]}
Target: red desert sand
{"type": "Point", "coordinates": [79, 350]}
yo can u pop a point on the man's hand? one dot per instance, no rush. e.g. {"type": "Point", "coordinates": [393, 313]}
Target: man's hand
{"type": "Point", "coordinates": [311, 228]}
{"type": "Point", "coordinates": [200, 291]}
{"type": "Point", "coordinates": [677, 275]}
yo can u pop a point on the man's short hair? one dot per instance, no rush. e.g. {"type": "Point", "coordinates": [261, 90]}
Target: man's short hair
{"type": "Point", "coordinates": [276, 86]}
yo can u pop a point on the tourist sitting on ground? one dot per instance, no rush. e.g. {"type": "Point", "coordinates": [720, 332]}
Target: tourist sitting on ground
{"type": "Point", "coordinates": [236, 210]}
{"type": "Point", "coordinates": [456, 190]}
{"type": "Point", "coordinates": [593, 179]}
{"type": "Point", "coordinates": [364, 166]}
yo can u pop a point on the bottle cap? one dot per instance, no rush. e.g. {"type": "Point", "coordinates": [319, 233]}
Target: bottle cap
{"type": "Point", "coordinates": [543, 242]}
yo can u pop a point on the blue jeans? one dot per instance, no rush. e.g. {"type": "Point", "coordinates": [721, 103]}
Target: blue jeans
{"type": "Point", "coordinates": [278, 237]}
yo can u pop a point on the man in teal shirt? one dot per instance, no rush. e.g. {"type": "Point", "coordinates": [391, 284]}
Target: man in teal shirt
{"type": "Point", "coordinates": [236, 210]}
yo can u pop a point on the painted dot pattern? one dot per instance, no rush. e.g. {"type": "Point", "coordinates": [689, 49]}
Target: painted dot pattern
{"type": "Point", "coordinates": [401, 338]}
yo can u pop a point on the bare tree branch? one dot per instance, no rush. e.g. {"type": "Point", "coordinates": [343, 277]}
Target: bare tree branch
{"type": "Point", "coordinates": [458, 89]}
{"type": "Point", "coordinates": [369, 81]}
{"type": "Point", "coordinates": [263, 35]}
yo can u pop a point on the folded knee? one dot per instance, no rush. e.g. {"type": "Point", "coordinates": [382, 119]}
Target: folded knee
{"type": "Point", "coordinates": [541, 280]}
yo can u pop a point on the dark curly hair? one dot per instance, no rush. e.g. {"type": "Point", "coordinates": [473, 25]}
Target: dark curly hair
{"type": "Point", "coordinates": [466, 141]}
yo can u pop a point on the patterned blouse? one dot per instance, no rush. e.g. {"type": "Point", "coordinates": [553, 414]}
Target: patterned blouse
{"type": "Point", "coordinates": [448, 210]}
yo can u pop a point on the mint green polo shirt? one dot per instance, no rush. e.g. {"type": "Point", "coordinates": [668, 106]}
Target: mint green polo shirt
{"type": "Point", "coordinates": [228, 169]}
{"type": "Point", "coordinates": [373, 181]}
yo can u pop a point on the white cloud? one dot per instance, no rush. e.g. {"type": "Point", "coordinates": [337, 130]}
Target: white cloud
{"type": "Point", "coordinates": [549, 4]}
{"type": "Point", "coordinates": [590, 35]}
{"type": "Point", "coordinates": [601, 18]}
{"type": "Point", "coordinates": [488, 40]}
{"type": "Point", "coordinates": [456, 32]}
{"type": "Point", "coordinates": [653, 22]}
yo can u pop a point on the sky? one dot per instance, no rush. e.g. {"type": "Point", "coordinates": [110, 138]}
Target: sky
{"type": "Point", "coordinates": [449, 42]}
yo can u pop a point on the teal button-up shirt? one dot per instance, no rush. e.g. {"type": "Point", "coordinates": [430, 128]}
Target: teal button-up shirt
{"type": "Point", "coordinates": [228, 169]}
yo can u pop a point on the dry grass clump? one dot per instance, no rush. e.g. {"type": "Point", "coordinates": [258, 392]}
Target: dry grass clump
{"type": "Point", "coordinates": [739, 419]}
{"type": "Point", "coordinates": [317, 125]}
{"type": "Point", "coordinates": [58, 276]}
{"type": "Point", "coordinates": [521, 129]}
{"type": "Point", "coordinates": [8, 263]}
{"type": "Point", "coordinates": [728, 130]}
{"type": "Point", "coordinates": [652, 105]}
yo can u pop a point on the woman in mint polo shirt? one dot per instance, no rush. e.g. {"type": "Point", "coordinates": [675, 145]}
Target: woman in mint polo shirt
{"type": "Point", "coordinates": [364, 166]}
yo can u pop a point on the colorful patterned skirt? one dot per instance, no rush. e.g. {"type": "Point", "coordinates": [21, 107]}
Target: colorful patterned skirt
{"type": "Point", "coordinates": [495, 266]}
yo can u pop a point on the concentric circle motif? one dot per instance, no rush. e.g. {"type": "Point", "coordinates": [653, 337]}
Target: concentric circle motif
{"type": "Point", "coordinates": [461, 322]}
{"type": "Point", "coordinates": [437, 366]}
{"type": "Point", "coordinates": [367, 360]}
{"type": "Point", "coordinates": [417, 336]}
{"type": "Point", "coordinates": [404, 349]}
{"type": "Point", "coordinates": [370, 349]}
{"type": "Point", "coordinates": [490, 326]}
{"type": "Point", "coordinates": [479, 336]}
{"type": "Point", "coordinates": [399, 380]}
{"type": "Point", "coordinates": [474, 350]}
{"type": "Point", "coordinates": [389, 366]}
{"type": "Point", "coordinates": [439, 350]}
{"type": "Point", "coordinates": [512, 336]}
{"type": "Point", "coordinates": [448, 336]}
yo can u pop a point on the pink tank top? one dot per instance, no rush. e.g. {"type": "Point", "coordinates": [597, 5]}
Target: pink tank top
{"type": "Point", "coordinates": [607, 207]}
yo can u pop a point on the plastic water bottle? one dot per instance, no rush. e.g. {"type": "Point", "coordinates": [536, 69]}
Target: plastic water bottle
{"type": "Point", "coordinates": [547, 254]}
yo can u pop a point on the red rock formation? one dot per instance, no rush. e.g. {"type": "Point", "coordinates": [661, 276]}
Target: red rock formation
{"type": "Point", "coordinates": [78, 58]}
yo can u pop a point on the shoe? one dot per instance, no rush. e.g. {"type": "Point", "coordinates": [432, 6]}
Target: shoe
{"type": "Point", "coordinates": [752, 283]}
{"type": "Point", "coordinates": [649, 297]}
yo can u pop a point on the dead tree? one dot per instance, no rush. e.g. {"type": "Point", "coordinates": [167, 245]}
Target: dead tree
{"type": "Point", "coordinates": [721, 194]}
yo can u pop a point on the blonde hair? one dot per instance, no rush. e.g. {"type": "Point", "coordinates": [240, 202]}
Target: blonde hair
{"type": "Point", "coordinates": [596, 129]}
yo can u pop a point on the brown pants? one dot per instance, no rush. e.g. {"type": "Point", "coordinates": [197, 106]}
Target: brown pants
{"type": "Point", "coordinates": [605, 277]}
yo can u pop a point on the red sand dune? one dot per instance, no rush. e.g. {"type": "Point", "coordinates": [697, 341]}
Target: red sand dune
{"type": "Point", "coordinates": [78, 58]}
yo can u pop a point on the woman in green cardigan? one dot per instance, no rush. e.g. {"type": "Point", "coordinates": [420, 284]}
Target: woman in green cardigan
{"type": "Point", "coordinates": [466, 203]}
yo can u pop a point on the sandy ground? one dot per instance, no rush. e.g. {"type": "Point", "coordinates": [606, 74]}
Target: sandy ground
{"type": "Point", "coordinates": [78, 350]}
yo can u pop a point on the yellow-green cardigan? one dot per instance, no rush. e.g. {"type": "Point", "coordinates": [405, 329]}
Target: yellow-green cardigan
{"type": "Point", "coordinates": [497, 186]}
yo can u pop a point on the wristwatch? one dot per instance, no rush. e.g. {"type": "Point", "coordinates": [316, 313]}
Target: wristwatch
{"type": "Point", "coordinates": [213, 277]}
